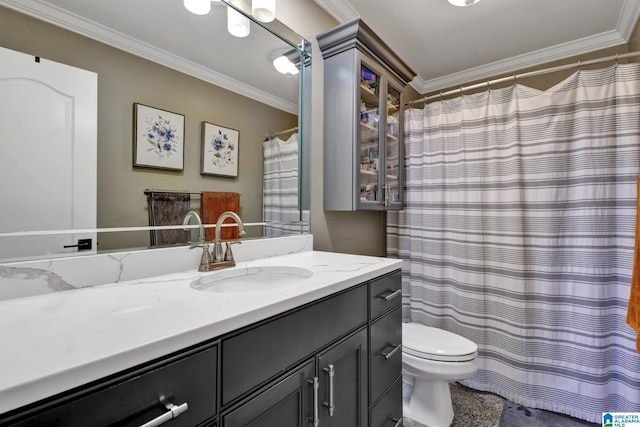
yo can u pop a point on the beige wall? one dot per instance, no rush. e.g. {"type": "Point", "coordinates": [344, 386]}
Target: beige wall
{"type": "Point", "coordinates": [124, 79]}
{"type": "Point", "coordinates": [346, 232]}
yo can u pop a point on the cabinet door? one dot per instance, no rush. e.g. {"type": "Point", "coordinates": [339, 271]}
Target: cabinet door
{"type": "Point", "coordinates": [388, 411]}
{"type": "Point", "coordinates": [369, 147]}
{"type": "Point", "coordinates": [386, 352]}
{"type": "Point", "coordinates": [393, 153]}
{"type": "Point", "coordinates": [289, 403]}
{"type": "Point", "coordinates": [343, 383]}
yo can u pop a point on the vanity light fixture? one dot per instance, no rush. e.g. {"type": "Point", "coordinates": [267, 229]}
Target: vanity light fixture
{"type": "Point", "coordinates": [263, 10]}
{"type": "Point", "coordinates": [237, 24]}
{"type": "Point", "coordinates": [463, 2]}
{"type": "Point", "coordinates": [198, 7]}
{"type": "Point", "coordinates": [284, 66]}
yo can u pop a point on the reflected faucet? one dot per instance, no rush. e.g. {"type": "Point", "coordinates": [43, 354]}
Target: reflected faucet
{"type": "Point", "coordinates": [218, 257]}
{"type": "Point", "coordinates": [194, 214]}
{"type": "Point", "coordinates": [205, 259]}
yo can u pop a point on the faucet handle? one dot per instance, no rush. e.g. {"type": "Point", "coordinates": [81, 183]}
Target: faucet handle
{"type": "Point", "coordinates": [205, 259]}
{"type": "Point", "coordinates": [228, 255]}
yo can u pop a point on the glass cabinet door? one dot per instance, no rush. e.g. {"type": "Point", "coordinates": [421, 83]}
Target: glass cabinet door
{"type": "Point", "coordinates": [369, 146]}
{"type": "Point", "coordinates": [393, 152]}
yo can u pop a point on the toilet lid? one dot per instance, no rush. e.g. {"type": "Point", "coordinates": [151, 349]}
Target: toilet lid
{"type": "Point", "coordinates": [436, 344]}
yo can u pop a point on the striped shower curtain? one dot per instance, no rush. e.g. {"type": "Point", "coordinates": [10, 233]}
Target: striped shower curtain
{"type": "Point", "coordinates": [518, 233]}
{"type": "Point", "coordinates": [280, 188]}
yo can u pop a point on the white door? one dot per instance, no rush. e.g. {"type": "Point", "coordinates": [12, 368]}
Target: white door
{"type": "Point", "coordinates": [48, 145]}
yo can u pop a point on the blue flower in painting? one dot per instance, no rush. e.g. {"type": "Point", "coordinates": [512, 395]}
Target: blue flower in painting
{"type": "Point", "coordinates": [166, 134]}
{"type": "Point", "coordinates": [223, 150]}
{"type": "Point", "coordinates": [162, 136]}
{"type": "Point", "coordinates": [217, 144]}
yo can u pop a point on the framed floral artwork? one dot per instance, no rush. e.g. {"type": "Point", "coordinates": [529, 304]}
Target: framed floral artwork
{"type": "Point", "coordinates": [219, 150]}
{"type": "Point", "coordinates": [158, 140]}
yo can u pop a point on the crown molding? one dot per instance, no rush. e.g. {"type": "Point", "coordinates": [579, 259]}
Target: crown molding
{"type": "Point", "coordinates": [339, 9]}
{"type": "Point", "coordinates": [102, 34]}
{"type": "Point", "coordinates": [515, 63]}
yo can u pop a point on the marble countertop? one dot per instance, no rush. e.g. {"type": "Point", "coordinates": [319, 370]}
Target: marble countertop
{"type": "Point", "coordinates": [54, 342]}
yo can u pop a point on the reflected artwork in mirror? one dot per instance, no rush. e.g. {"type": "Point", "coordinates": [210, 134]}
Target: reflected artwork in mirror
{"type": "Point", "coordinates": [172, 60]}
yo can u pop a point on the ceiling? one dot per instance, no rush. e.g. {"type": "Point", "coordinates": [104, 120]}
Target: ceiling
{"type": "Point", "coordinates": [450, 46]}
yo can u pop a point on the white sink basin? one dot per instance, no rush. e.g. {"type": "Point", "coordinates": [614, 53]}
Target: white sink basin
{"type": "Point", "coordinates": [251, 279]}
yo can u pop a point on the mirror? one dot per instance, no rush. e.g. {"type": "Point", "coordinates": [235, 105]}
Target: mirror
{"type": "Point", "coordinates": [201, 72]}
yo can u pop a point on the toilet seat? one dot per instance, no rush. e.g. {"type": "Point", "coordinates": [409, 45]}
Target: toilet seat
{"type": "Point", "coordinates": [430, 343]}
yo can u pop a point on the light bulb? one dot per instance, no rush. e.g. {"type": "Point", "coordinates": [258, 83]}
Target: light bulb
{"type": "Point", "coordinates": [463, 2]}
{"type": "Point", "coordinates": [284, 66]}
{"type": "Point", "coordinates": [198, 7]}
{"type": "Point", "coordinates": [237, 23]}
{"type": "Point", "coordinates": [263, 10]}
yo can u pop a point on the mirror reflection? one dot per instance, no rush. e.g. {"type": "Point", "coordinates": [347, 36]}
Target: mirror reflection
{"type": "Point", "coordinates": [237, 89]}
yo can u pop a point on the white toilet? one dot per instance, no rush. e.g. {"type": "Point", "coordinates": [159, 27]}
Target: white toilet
{"type": "Point", "coordinates": [431, 359]}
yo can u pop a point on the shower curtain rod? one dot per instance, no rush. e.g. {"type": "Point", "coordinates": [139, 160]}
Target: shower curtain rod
{"type": "Point", "coordinates": [281, 132]}
{"type": "Point", "coordinates": [515, 77]}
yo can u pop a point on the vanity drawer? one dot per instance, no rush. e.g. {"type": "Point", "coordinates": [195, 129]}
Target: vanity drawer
{"type": "Point", "coordinates": [134, 399]}
{"type": "Point", "coordinates": [385, 293]}
{"type": "Point", "coordinates": [261, 353]}
{"type": "Point", "coordinates": [388, 411]}
{"type": "Point", "coordinates": [386, 352]}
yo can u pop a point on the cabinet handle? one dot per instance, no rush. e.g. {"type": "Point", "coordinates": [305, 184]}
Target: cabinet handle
{"type": "Point", "coordinates": [315, 384]}
{"type": "Point", "coordinates": [397, 421]}
{"type": "Point", "coordinates": [391, 296]}
{"type": "Point", "coordinates": [173, 411]}
{"type": "Point", "coordinates": [392, 352]}
{"type": "Point", "coordinates": [331, 372]}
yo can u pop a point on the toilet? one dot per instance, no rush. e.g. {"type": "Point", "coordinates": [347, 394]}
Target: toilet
{"type": "Point", "coordinates": [431, 359]}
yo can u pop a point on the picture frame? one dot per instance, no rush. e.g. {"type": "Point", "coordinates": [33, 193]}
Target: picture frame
{"type": "Point", "coordinates": [158, 138]}
{"type": "Point", "coordinates": [219, 150]}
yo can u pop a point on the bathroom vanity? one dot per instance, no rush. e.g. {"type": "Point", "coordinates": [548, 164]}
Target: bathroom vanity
{"type": "Point", "coordinates": [322, 351]}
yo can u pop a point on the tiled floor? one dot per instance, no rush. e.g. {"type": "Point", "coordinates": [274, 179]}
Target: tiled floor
{"type": "Point", "coordinates": [474, 408]}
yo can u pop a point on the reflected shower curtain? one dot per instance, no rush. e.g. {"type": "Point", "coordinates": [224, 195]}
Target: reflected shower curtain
{"type": "Point", "coordinates": [518, 233]}
{"type": "Point", "coordinates": [280, 187]}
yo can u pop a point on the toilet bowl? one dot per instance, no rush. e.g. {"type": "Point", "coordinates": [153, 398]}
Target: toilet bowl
{"type": "Point", "coordinates": [431, 359]}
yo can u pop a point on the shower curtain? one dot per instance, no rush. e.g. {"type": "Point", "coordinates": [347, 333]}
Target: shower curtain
{"type": "Point", "coordinates": [518, 233]}
{"type": "Point", "coordinates": [280, 187]}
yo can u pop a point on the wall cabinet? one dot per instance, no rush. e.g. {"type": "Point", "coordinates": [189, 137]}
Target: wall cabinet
{"type": "Point", "coordinates": [334, 362]}
{"type": "Point", "coordinates": [363, 120]}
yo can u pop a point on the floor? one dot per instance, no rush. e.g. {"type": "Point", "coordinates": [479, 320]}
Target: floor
{"type": "Point", "coordinates": [474, 408]}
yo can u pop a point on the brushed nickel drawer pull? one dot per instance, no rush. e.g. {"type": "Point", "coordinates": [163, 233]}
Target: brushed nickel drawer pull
{"type": "Point", "coordinates": [391, 296]}
{"type": "Point", "coordinates": [173, 411]}
{"type": "Point", "coordinates": [392, 352]}
{"type": "Point", "coordinates": [397, 421]}
{"type": "Point", "coordinates": [316, 385]}
{"type": "Point", "coordinates": [331, 372]}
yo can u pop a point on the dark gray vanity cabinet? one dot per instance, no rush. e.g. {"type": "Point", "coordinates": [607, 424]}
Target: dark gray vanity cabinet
{"type": "Point", "coordinates": [288, 402]}
{"type": "Point", "coordinates": [385, 356]}
{"type": "Point", "coordinates": [332, 334]}
{"type": "Point", "coordinates": [328, 390]}
{"type": "Point", "coordinates": [187, 381]}
{"type": "Point", "coordinates": [342, 371]}
{"type": "Point", "coordinates": [335, 362]}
